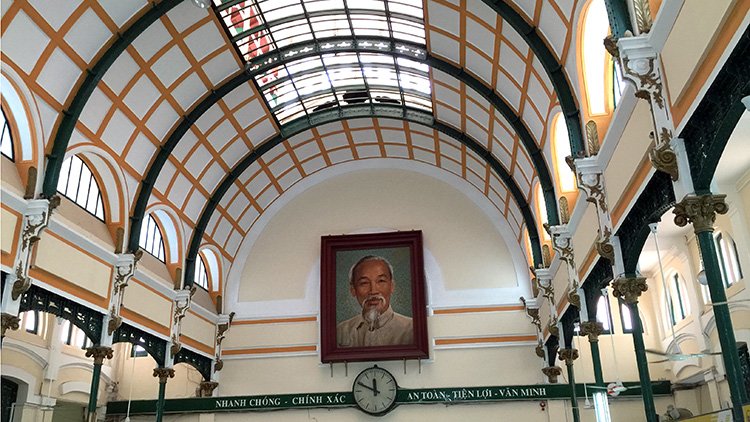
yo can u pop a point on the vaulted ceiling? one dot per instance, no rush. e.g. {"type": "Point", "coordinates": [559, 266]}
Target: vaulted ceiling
{"type": "Point", "coordinates": [214, 113]}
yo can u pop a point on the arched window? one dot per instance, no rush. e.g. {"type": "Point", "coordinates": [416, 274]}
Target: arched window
{"type": "Point", "coordinates": [627, 318]}
{"type": "Point", "coordinates": [201, 275]}
{"type": "Point", "coordinates": [137, 351]}
{"type": "Point", "coordinates": [617, 84]}
{"type": "Point", "coordinates": [541, 207]}
{"type": "Point", "coordinates": [30, 321]}
{"type": "Point", "coordinates": [79, 185]}
{"type": "Point", "coordinates": [594, 60]}
{"type": "Point", "coordinates": [602, 314]}
{"type": "Point", "coordinates": [151, 239]}
{"type": "Point", "coordinates": [561, 147]}
{"type": "Point", "coordinates": [729, 260]}
{"type": "Point", "coordinates": [6, 142]}
{"type": "Point", "coordinates": [74, 336]}
{"type": "Point", "coordinates": [678, 299]}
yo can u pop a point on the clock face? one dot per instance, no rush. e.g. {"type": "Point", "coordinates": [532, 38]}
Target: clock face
{"type": "Point", "coordinates": [375, 390]}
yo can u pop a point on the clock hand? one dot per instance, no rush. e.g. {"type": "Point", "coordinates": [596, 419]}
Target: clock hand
{"type": "Point", "coordinates": [375, 386]}
{"type": "Point", "coordinates": [368, 387]}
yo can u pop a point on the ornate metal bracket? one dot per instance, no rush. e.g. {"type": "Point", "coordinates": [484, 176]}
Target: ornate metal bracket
{"type": "Point", "coordinates": [568, 355]}
{"type": "Point", "coordinates": [700, 211]}
{"type": "Point", "coordinates": [629, 289]}
{"type": "Point", "coordinates": [662, 156]}
{"type": "Point", "coordinates": [552, 372]}
{"type": "Point", "coordinates": [592, 329]}
{"type": "Point", "coordinates": [35, 219]}
{"type": "Point", "coordinates": [9, 321]}
{"type": "Point", "coordinates": [163, 374]}
{"type": "Point", "coordinates": [99, 353]}
{"type": "Point", "coordinates": [206, 388]}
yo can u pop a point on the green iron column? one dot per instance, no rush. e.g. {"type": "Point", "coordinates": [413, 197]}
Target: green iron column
{"type": "Point", "coordinates": [163, 374]}
{"type": "Point", "coordinates": [701, 212]}
{"type": "Point", "coordinates": [99, 353]}
{"type": "Point", "coordinates": [569, 355]}
{"type": "Point", "coordinates": [629, 288]}
{"type": "Point", "coordinates": [592, 329]}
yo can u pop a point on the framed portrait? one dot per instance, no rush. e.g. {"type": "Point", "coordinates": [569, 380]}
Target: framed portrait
{"type": "Point", "coordinates": [372, 297]}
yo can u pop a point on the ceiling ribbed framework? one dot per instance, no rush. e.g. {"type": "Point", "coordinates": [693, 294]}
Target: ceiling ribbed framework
{"type": "Point", "coordinates": [361, 52]}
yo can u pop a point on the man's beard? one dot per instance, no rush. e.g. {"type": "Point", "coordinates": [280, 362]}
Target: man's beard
{"type": "Point", "coordinates": [371, 314]}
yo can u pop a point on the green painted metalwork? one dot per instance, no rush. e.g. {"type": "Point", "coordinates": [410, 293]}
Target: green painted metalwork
{"type": "Point", "coordinates": [94, 393]}
{"type": "Point", "coordinates": [597, 362]}
{"type": "Point", "coordinates": [619, 17]}
{"type": "Point", "coordinates": [724, 328]}
{"type": "Point", "coordinates": [160, 401]}
{"type": "Point", "coordinates": [552, 66]}
{"type": "Point", "coordinates": [297, 51]}
{"type": "Point", "coordinates": [709, 128]}
{"type": "Point", "coordinates": [573, 396]}
{"type": "Point", "coordinates": [88, 320]}
{"type": "Point", "coordinates": [154, 346]}
{"type": "Point", "coordinates": [82, 95]}
{"type": "Point", "coordinates": [350, 112]}
{"type": "Point", "coordinates": [640, 358]}
{"type": "Point", "coordinates": [447, 396]}
{"type": "Point", "coordinates": [199, 362]}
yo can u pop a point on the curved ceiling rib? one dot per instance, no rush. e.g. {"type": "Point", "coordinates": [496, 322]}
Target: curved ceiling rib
{"type": "Point", "coordinates": [554, 69]}
{"type": "Point", "coordinates": [339, 45]}
{"type": "Point", "coordinates": [93, 76]}
{"type": "Point", "coordinates": [350, 112]}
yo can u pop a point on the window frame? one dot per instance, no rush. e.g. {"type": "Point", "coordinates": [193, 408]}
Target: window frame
{"type": "Point", "coordinates": [201, 273]}
{"type": "Point", "coordinates": [7, 130]}
{"type": "Point", "coordinates": [604, 300]}
{"type": "Point", "coordinates": [727, 255]}
{"type": "Point", "coordinates": [143, 241]}
{"type": "Point", "coordinates": [66, 176]}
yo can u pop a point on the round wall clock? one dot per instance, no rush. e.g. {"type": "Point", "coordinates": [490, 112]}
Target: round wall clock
{"type": "Point", "coordinates": [375, 391]}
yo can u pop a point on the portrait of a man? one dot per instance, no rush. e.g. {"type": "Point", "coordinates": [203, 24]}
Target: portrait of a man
{"type": "Point", "coordinates": [372, 285]}
{"type": "Point", "coordinates": [372, 296]}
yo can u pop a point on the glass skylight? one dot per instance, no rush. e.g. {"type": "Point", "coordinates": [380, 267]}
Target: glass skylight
{"type": "Point", "coordinates": [388, 36]}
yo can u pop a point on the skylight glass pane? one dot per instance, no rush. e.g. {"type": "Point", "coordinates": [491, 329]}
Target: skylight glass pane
{"type": "Point", "coordinates": [322, 34]}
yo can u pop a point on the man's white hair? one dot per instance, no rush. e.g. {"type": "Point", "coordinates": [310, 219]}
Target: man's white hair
{"type": "Point", "coordinates": [369, 258]}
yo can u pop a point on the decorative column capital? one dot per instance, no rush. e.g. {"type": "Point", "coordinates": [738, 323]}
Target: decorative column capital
{"type": "Point", "coordinates": [700, 210]}
{"type": "Point", "coordinates": [206, 388]}
{"type": "Point", "coordinates": [568, 355]}
{"type": "Point", "coordinates": [163, 374]}
{"type": "Point", "coordinates": [629, 288]}
{"type": "Point", "coordinates": [99, 353]}
{"type": "Point", "coordinates": [592, 329]}
{"type": "Point", "coordinates": [9, 321]}
{"type": "Point", "coordinates": [552, 372]}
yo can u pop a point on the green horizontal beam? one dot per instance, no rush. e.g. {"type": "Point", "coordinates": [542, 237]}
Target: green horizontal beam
{"type": "Point", "coordinates": [447, 396]}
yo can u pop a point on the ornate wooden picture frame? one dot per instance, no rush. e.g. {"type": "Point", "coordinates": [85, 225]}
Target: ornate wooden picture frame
{"type": "Point", "coordinates": [372, 297]}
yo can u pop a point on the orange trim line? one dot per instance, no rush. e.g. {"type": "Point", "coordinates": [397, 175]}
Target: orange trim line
{"type": "Point", "coordinates": [264, 350]}
{"type": "Point", "coordinates": [477, 340]}
{"type": "Point", "coordinates": [195, 344]}
{"type": "Point", "coordinates": [127, 314]}
{"type": "Point", "coordinates": [9, 258]}
{"type": "Point", "coordinates": [68, 287]}
{"type": "Point", "coordinates": [634, 184]}
{"type": "Point", "coordinates": [485, 309]}
{"type": "Point", "coordinates": [147, 287]}
{"type": "Point", "coordinates": [708, 64]}
{"type": "Point", "coordinates": [274, 320]}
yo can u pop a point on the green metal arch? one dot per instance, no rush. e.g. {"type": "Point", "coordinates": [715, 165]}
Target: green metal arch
{"type": "Point", "coordinates": [82, 95]}
{"type": "Point", "coordinates": [344, 113]}
{"type": "Point", "coordinates": [554, 69]}
{"type": "Point", "coordinates": [313, 49]}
